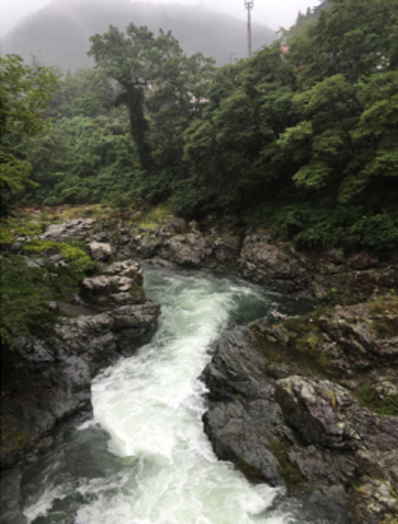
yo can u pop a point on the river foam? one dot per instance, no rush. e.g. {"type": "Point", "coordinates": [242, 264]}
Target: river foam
{"type": "Point", "coordinates": [144, 458]}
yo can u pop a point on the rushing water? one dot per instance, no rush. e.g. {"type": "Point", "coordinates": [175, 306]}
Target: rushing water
{"type": "Point", "coordinates": [143, 458]}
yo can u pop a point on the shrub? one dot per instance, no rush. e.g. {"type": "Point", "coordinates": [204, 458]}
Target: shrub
{"type": "Point", "coordinates": [378, 233]}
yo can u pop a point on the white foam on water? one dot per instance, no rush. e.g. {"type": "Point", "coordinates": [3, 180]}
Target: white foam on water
{"type": "Point", "coordinates": [151, 405]}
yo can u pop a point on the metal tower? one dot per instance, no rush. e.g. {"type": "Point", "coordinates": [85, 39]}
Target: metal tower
{"type": "Point", "coordinates": [249, 7]}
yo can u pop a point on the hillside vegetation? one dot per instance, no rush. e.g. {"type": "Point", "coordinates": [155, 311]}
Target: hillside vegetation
{"type": "Point", "coordinates": [58, 35]}
{"type": "Point", "coordinates": [304, 141]}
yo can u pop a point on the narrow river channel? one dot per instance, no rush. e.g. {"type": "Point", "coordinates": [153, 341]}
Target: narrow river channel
{"type": "Point", "coordinates": [143, 458]}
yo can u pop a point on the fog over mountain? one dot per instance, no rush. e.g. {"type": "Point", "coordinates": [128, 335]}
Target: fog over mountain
{"type": "Point", "coordinates": [59, 33]}
{"type": "Point", "coordinates": [271, 13]}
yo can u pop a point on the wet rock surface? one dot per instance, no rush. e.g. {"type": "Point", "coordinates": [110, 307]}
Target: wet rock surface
{"type": "Point", "coordinates": [272, 418]}
{"type": "Point", "coordinates": [280, 425]}
{"type": "Point", "coordinates": [50, 381]}
{"type": "Point", "coordinates": [277, 266]}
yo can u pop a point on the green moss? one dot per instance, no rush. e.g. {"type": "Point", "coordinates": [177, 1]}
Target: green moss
{"type": "Point", "coordinates": [25, 292]}
{"type": "Point", "coordinates": [14, 227]}
{"type": "Point", "coordinates": [27, 287]}
{"type": "Point", "coordinates": [368, 397]}
{"type": "Point", "coordinates": [79, 264]}
{"type": "Point", "coordinates": [114, 287]}
{"type": "Point", "coordinates": [278, 357]}
{"type": "Point", "coordinates": [332, 297]}
{"type": "Point", "coordinates": [307, 338]}
{"type": "Point", "coordinates": [250, 472]}
{"type": "Point", "coordinates": [387, 304]}
{"type": "Point", "coordinates": [137, 287]}
{"type": "Point", "coordinates": [13, 436]}
{"type": "Point", "coordinates": [287, 469]}
{"type": "Point", "coordinates": [383, 328]}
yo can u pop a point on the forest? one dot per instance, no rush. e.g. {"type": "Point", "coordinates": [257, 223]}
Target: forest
{"type": "Point", "coordinates": [305, 140]}
{"type": "Point", "coordinates": [281, 169]}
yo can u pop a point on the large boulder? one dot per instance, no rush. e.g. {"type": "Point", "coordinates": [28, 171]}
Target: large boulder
{"type": "Point", "coordinates": [242, 420]}
{"type": "Point", "coordinates": [277, 266]}
{"type": "Point", "coordinates": [190, 250]}
{"type": "Point", "coordinates": [311, 432]}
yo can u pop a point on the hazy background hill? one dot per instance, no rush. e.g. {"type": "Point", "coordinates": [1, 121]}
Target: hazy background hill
{"type": "Point", "coordinates": [59, 33]}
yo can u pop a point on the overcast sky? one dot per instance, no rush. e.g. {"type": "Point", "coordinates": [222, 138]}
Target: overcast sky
{"type": "Point", "coordinates": [273, 13]}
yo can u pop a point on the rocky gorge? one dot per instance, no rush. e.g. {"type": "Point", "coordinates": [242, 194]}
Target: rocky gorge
{"type": "Point", "coordinates": [282, 396]}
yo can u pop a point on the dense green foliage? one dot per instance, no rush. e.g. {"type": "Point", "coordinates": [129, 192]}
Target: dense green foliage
{"type": "Point", "coordinates": [29, 282]}
{"type": "Point", "coordinates": [40, 272]}
{"type": "Point", "coordinates": [24, 98]}
{"type": "Point", "coordinates": [304, 140]}
{"type": "Point", "coordinates": [24, 306]}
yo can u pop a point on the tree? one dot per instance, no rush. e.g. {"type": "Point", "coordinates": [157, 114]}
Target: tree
{"type": "Point", "coordinates": [232, 150]}
{"type": "Point", "coordinates": [84, 160]}
{"type": "Point", "coordinates": [24, 98]}
{"type": "Point", "coordinates": [86, 93]}
{"type": "Point", "coordinates": [179, 97]}
{"type": "Point", "coordinates": [137, 62]}
{"type": "Point", "coordinates": [353, 38]}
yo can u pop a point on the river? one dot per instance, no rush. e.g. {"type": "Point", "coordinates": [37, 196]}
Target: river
{"type": "Point", "coordinates": [143, 457]}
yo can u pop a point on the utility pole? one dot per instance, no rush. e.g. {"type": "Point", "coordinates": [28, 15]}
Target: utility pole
{"type": "Point", "coordinates": [249, 7]}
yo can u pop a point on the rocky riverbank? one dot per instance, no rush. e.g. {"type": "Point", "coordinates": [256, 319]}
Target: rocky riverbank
{"type": "Point", "coordinates": [255, 253]}
{"type": "Point", "coordinates": [50, 380]}
{"type": "Point", "coordinates": [286, 405]}
{"type": "Point", "coordinates": [282, 400]}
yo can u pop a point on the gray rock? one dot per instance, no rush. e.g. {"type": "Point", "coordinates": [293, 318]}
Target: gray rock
{"type": "Point", "coordinates": [321, 411]}
{"type": "Point", "coordinates": [278, 266]}
{"type": "Point", "coordinates": [81, 228]}
{"type": "Point", "coordinates": [190, 250]}
{"type": "Point", "coordinates": [301, 426]}
{"type": "Point", "coordinates": [11, 512]}
{"type": "Point", "coordinates": [100, 251]}
{"type": "Point", "coordinates": [372, 502]}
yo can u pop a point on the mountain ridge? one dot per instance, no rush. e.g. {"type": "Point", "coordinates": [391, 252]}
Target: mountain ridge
{"type": "Point", "coordinates": [59, 33]}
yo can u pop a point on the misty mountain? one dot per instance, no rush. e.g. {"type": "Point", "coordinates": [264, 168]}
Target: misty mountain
{"type": "Point", "coordinates": [59, 33]}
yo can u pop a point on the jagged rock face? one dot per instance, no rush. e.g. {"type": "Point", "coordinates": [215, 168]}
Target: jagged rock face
{"type": "Point", "coordinates": [330, 439]}
{"type": "Point", "coordinates": [123, 318]}
{"type": "Point", "coordinates": [186, 245]}
{"type": "Point", "coordinates": [51, 381]}
{"type": "Point", "coordinates": [365, 338]}
{"type": "Point", "coordinates": [242, 420]}
{"type": "Point", "coordinates": [120, 285]}
{"type": "Point", "coordinates": [79, 227]}
{"type": "Point", "coordinates": [279, 267]}
{"type": "Point", "coordinates": [41, 387]}
{"type": "Point", "coordinates": [322, 412]}
{"type": "Point", "coordinates": [259, 257]}
{"type": "Point", "coordinates": [348, 340]}
{"type": "Point", "coordinates": [189, 250]}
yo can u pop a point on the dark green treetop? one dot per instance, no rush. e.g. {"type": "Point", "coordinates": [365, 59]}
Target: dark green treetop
{"type": "Point", "coordinates": [136, 61]}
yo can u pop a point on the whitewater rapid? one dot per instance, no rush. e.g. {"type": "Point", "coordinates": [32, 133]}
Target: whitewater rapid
{"type": "Point", "coordinates": [143, 458]}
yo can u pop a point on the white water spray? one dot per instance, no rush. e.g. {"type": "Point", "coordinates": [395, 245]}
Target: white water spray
{"type": "Point", "coordinates": [151, 405]}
